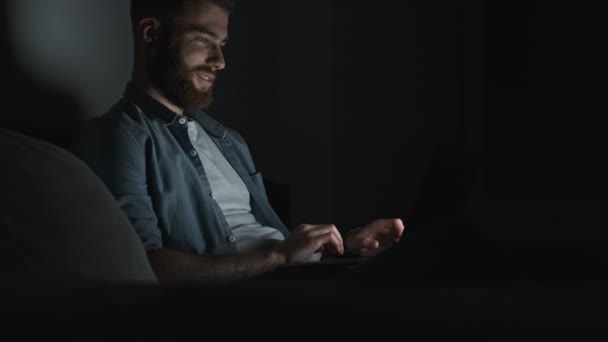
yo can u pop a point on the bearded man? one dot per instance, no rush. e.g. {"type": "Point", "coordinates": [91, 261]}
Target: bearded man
{"type": "Point", "coordinates": [188, 184]}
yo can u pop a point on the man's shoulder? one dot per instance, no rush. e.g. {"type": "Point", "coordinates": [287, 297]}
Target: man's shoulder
{"type": "Point", "coordinates": [235, 135]}
{"type": "Point", "coordinates": [123, 111]}
{"type": "Point", "coordinates": [123, 116]}
{"type": "Point", "coordinates": [122, 125]}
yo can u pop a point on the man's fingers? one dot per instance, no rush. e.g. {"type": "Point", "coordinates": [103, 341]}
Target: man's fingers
{"type": "Point", "coordinates": [395, 225]}
{"type": "Point", "coordinates": [370, 243]}
{"type": "Point", "coordinates": [330, 241]}
{"type": "Point", "coordinates": [323, 237]}
{"type": "Point", "coordinates": [333, 243]}
{"type": "Point", "coordinates": [391, 227]}
{"type": "Point", "coordinates": [336, 237]}
{"type": "Point", "coordinates": [305, 228]}
{"type": "Point", "coordinates": [365, 243]}
{"type": "Point", "coordinates": [322, 230]}
{"type": "Point", "coordinates": [336, 241]}
{"type": "Point", "coordinates": [398, 227]}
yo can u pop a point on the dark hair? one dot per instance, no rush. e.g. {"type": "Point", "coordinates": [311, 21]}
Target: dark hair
{"type": "Point", "coordinates": [163, 9]}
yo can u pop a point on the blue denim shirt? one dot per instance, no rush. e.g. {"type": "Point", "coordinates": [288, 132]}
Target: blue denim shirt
{"type": "Point", "coordinates": [141, 150]}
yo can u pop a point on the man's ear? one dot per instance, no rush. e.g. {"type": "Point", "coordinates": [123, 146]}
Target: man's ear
{"type": "Point", "coordinates": [148, 29]}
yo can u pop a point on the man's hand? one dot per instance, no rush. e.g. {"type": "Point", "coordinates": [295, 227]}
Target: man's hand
{"type": "Point", "coordinates": [375, 237]}
{"type": "Point", "coordinates": [306, 240]}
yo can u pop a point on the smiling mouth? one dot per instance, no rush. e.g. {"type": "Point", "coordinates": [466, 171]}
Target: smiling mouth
{"type": "Point", "coordinates": [206, 77]}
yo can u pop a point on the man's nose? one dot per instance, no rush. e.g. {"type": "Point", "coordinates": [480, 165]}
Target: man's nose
{"type": "Point", "coordinates": [216, 58]}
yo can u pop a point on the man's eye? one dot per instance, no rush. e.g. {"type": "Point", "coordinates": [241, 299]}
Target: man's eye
{"type": "Point", "coordinates": [203, 40]}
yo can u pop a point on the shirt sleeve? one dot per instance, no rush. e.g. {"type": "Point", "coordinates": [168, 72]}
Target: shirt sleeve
{"type": "Point", "coordinates": [114, 152]}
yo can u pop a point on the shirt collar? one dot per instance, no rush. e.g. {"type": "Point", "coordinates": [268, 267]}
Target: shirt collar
{"type": "Point", "coordinates": [151, 106]}
{"type": "Point", "coordinates": [208, 123]}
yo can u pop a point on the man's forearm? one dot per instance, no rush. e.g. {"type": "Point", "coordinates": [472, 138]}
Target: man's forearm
{"type": "Point", "coordinates": [173, 266]}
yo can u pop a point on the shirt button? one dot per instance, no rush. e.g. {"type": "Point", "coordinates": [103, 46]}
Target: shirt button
{"type": "Point", "coordinates": [193, 153]}
{"type": "Point", "coordinates": [182, 121]}
{"type": "Point", "coordinates": [212, 195]}
{"type": "Point", "coordinates": [231, 239]}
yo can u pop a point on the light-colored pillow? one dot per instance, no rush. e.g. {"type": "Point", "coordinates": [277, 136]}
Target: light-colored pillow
{"type": "Point", "coordinates": [59, 221]}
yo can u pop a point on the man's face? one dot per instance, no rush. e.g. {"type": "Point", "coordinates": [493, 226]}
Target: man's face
{"type": "Point", "coordinates": [185, 61]}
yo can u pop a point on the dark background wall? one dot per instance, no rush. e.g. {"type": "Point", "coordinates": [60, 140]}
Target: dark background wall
{"type": "Point", "coordinates": [278, 91]}
{"type": "Point", "coordinates": [544, 109]}
{"type": "Point", "coordinates": [358, 109]}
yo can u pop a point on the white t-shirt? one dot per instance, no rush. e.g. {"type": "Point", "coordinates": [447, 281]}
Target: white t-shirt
{"type": "Point", "coordinates": [230, 193]}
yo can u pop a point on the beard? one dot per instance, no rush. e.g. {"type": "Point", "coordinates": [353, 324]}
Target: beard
{"type": "Point", "coordinates": [175, 80]}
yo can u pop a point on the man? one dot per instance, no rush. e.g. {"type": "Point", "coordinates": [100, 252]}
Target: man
{"type": "Point", "coordinates": [187, 183]}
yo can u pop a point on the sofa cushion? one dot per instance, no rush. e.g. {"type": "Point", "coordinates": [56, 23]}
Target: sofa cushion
{"type": "Point", "coordinates": [59, 221]}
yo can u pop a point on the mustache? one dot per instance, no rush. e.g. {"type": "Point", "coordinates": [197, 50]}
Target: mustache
{"type": "Point", "coordinates": [204, 69]}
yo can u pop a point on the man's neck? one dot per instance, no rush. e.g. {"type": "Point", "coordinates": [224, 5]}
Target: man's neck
{"type": "Point", "coordinates": [156, 94]}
